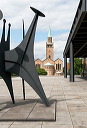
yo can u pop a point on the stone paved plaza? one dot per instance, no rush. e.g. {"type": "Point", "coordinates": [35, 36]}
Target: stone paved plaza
{"type": "Point", "coordinates": [68, 108]}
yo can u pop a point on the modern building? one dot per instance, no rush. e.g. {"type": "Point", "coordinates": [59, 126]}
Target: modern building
{"type": "Point", "coordinates": [52, 67]}
{"type": "Point", "coordinates": [76, 46]}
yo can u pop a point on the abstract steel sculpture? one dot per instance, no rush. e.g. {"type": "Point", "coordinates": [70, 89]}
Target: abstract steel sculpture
{"type": "Point", "coordinates": [21, 60]}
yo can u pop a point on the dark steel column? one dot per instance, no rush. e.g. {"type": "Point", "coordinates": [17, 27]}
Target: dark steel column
{"type": "Point", "coordinates": [71, 63]}
{"type": "Point", "coordinates": [65, 66]}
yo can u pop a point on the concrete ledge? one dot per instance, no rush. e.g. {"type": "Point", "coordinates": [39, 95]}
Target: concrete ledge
{"type": "Point", "coordinates": [28, 110]}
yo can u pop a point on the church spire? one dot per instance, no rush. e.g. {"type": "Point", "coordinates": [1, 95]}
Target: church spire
{"type": "Point", "coordinates": [49, 33]}
{"type": "Point", "coordinates": [49, 36]}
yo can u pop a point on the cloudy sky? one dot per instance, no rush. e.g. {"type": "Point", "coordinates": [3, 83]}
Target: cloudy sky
{"type": "Point", "coordinates": [59, 16]}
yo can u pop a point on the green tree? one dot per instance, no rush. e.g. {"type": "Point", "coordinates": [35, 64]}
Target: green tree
{"type": "Point", "coordinates": [41, 71]}
{"type": "Point", "coordinates": [77, 66]}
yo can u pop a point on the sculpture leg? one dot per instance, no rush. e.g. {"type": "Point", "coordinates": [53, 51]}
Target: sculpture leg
{"type": "Point", "coordinates": [7, 78]}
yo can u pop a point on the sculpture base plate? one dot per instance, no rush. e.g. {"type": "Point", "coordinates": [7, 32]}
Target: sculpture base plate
{"type": "Point", "coordinates": [28, 110]}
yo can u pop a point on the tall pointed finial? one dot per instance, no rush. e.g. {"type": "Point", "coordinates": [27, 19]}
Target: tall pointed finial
{"type": "Point", "coordinates": [3, 33]}
{"type": "Point", "coordinates": [49, 33]}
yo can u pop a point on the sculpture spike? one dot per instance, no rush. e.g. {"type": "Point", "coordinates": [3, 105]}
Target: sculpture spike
{"type": "Point", "coordinates": [8, 36]}
{"type": "Point", "coordinates": [3, 33]}
{"type": "Point", "coordinates": [31, 30]}
{"type": "Point", "coordinates": [23, 29]}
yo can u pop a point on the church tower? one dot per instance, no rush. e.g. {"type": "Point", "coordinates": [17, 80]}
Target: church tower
{"type": "Point", "coordinates": [49, 46]}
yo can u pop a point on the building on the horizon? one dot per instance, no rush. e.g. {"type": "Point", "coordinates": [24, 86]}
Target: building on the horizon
{"type": "Point", "coordinates": [52, 67]}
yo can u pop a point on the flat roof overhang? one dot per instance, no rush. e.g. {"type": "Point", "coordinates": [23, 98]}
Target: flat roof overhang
{"type": "Point", "coordinates": [78, 33]}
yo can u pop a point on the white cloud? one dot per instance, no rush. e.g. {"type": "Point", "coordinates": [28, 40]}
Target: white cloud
{"type": "Point", "coordinates": [40, 50]}
{"type": "Point", "coordinates": [59, 15]}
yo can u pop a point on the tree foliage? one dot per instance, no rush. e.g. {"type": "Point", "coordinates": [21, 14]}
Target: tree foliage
{"type": "Point", "coordinates": [41, 71]}
{"type": "Point", "coordinates": [77, 66]}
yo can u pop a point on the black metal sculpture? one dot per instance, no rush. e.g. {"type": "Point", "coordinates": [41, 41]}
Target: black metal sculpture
{"type": "Point", "coordinates": [21, 60]}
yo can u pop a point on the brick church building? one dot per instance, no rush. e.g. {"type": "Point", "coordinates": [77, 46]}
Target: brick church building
{"type": "Point", "coordinates": [53, 67]}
